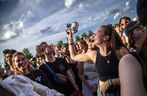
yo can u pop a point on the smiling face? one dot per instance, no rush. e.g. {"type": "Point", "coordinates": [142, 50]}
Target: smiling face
{"type": "Point", "coordinates": [20, 62]}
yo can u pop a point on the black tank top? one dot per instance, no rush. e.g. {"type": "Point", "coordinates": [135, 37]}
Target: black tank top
{"type": "Point", "coordinates": [107, 67]}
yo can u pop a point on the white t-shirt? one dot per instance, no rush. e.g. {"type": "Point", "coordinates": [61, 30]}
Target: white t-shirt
{"type": "Point", "coordinates": [22, 86]}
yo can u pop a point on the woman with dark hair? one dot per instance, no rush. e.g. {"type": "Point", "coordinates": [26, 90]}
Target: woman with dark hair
{"type": "Point", "coordinates": [122, 24]}
{"type": "Point", "coordinates": [110, 50]}
{"type": "Point", "coordinates": [117, 29]}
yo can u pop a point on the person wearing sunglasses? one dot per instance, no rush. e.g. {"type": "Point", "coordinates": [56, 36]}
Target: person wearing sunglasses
{"type": "Point", "coordinates": [122, 24]}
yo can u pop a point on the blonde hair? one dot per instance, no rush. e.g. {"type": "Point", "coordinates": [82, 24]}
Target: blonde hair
{"type": "Point", "coordinates": [16, 71]}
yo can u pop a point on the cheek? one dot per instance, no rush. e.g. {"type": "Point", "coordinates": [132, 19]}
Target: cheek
{"type": "Point", "coordinates": [137, 33]}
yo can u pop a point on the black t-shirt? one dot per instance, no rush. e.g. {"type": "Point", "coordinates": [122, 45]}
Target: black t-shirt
{"type": "Point", "coordinates": [59, 66]}
{"type": "Point", "coordinates": [39, 77]}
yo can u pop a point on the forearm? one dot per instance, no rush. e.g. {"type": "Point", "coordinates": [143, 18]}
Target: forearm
{"type": "Point", "coordinates": [71, 45]}
{"type": "Point", "coordinates": [72, 80]}
{"type": "Point", "coordinates": [72, 51]}
{"type": "Point", "coordinates": [84, 81]}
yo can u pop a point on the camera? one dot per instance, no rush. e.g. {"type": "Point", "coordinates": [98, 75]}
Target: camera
{"type": "Point", "coordinates": [72, 27]}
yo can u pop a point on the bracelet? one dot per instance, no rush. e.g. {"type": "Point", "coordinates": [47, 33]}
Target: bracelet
{"type": "Point", "coordinates": [71, 44]}
{"type": "Point", "coordinates": [110, 82]}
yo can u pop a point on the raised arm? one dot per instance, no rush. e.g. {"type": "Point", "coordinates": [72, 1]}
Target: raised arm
{"type": "Point", "coordinates": [74, 55]}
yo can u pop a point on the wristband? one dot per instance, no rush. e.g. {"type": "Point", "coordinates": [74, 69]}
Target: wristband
{"type": "Point", "coordinates": [71, 44]}
{"type": "Point", "coordinates": [109, 82]}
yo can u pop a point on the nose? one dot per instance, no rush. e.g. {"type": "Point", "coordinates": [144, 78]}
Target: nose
{"type": "Point", "coordinates": [20, 63]}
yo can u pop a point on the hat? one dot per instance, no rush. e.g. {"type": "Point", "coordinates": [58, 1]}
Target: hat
{"type": "Point", "coordinates": [141, 11]}
{"type": "Point", "coordinates": [130, 27]}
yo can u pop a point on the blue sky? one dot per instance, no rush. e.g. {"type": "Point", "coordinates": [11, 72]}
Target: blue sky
{"type": "Point", "coordinates": [26, 23]}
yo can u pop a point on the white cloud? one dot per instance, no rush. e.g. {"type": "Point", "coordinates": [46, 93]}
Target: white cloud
{"type": "Point", "coordinates": [13, 29]}
{"type": "Point", "coordinates": [20, 25]}
{"type": "Point", "coordinates": [69, 3]}
{"type": "Point", "coordinates": [116, 15]}
{"type": "Point", "coordinates": [127, 3]}
{"type": "Point", "coordinates": [34, 2]}
{"type": "Point", "coordinates": [29, 13]}
{"type": "Point", "coordinates": [8, 35]}
{"type": "Point", "coordinates": [81, 5]}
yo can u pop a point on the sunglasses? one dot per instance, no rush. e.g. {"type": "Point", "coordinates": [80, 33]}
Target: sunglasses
{"type": "Point", "coordinates": [127, 21]}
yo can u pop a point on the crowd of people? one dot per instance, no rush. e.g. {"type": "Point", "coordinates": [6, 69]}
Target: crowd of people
{"type": "Point", "coordinates": [112, 62]}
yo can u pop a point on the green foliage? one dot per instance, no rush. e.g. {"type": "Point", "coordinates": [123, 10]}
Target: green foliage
{"type": "Point", "coordinates": [51, 44]}
{"type": "Point", "coordinates": [77, 38]}
{"type": "Point", "coordinates": [4, 65]}
{"type": "Point", "coordinates": [27, 53]}
{"type": "Point", "coordinates": [60, 43]}
{"type": "Point", "coordinates": [90, 33]}
{"type": "Point", "coordinates": [84, 35]}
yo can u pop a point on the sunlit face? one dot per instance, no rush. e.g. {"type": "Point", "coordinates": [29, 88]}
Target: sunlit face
{"type": "Point", "coordinates": [64, 50]}
{"type": "Point", "coordinates": [80, 46]}
{"type": "Point", "coordinates": [90, 45]}
{"type": "Point", "coordinates": [99, 36]}
{"type": "Point", "coordinates": [123, 23]}
{"type": "Point", "coordinates": [21, 62]}
{"type": "Point", "coordinates": [117, 28]}
{"type": "Point", "coordinates": [39, 60]}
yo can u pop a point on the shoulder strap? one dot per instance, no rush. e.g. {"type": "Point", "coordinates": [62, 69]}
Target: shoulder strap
{"type": "Point", "coordinates": [52, 72]}
{"type": "Point", "coordinates": [56, 78]}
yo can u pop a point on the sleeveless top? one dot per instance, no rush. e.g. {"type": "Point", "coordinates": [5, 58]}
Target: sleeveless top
{"type": "Point", "coordinates": [89, 71]}
{"type": "Point", "coordinates": [107, 66]}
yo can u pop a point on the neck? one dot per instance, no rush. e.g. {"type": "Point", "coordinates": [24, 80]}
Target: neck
{"type": "Point", "coordinates": [104, 50]}
{"type": "Point", "coordinates": [27, 71]}
{"type": "Point", "coordinates": [140, 42]}
{"type": "Point", "coordinates": [49, 58]}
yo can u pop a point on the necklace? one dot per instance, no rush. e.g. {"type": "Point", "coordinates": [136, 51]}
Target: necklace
{"type": "Point", "coordinates": [107, 58]}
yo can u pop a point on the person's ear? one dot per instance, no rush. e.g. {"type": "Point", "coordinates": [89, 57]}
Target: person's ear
{"type": "Point", "coordinates": [106, 38]}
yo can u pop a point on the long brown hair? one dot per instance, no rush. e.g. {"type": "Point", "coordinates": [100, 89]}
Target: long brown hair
{"type": "Point", "coordinates": [114, 39]}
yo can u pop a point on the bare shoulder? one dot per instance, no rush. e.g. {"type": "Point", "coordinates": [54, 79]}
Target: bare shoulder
{"type": "Point", "coordinates": [128, 60]}
{"type": "Point", "coordinates": [129, 65]}
{"type": "Point", "coordinates": [92, 55]}
{"type": "Point", "coordinates": [130, 75]}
